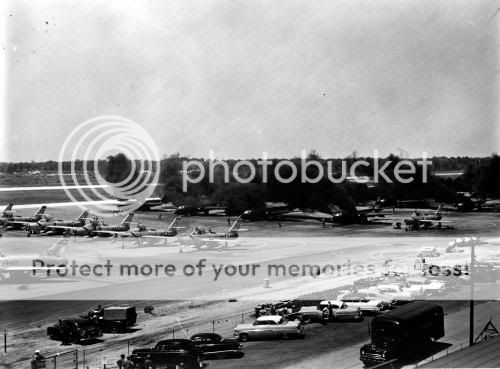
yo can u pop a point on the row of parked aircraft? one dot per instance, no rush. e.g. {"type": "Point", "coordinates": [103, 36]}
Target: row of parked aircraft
{"type": "Point", "coordinates": [91, 226]}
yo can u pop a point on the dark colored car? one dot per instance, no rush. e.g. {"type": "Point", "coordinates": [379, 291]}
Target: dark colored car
{"type": "Point", "coordinates": [215, 346]}
{"type": "Point", "coordinates": [114, 319]}
{"type": "Point", "coordinates": [170, 354]}
{"type": "Point", "coordinates": [76, 330]}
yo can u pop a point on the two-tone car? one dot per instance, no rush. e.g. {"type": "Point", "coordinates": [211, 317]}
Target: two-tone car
{"type": "Point", "coordinates": [362, 301]}
{"type": "Point", "coordinates": [269, 327]}
{"type": "Point", "coordinates": [396, 291]}
{"type": "Point", "coordinates": [425, 287]}
{"type": "Point", "coordinates": [214, 346]}
{"type": "Point", "coordinates": [333, 310]}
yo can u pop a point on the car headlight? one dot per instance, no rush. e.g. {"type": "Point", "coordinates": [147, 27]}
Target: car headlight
{"type": "Point", "coordinates": [362, 352]}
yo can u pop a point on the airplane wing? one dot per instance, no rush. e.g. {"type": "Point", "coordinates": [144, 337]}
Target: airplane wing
{"type": "Point", "coordinates": [18, 223]}
{"type": "Point", "coordinates": [111, 233]}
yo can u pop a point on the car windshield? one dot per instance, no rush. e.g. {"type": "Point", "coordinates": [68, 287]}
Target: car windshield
{"type": "Point", "coordinates": [84, 324]}
{"type": "Point", "coordinates": [385, 330]}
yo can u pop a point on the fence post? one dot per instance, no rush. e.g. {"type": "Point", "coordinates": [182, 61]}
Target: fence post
{"type": "Point", "coordinates": [55, 361]}
{"type": "Point", "coordinates": [173, 333]}
{"type": "Point", "coordinates": [242, 314]}
{"type": "Point", "coordinates": [213, 326]}
{"type": "Point", "coordinates": [128, 348]}
{"type": "Point", "coordinates": [76, 359]}
{"type": "Point", "coordinates": [5, 340]}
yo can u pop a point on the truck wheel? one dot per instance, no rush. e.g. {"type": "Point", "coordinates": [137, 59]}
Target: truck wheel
{"type": "Point", "coordinates": [285, 336]}
{"type": "Point", "coordinates": [244, 337]}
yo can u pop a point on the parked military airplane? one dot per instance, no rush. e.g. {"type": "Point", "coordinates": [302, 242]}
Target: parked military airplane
{"type": "Point", "coordinates": [44, 225]}
{"type": "Point", "coordinates": [232, 232]}
{"type": "Point", "coordinates": [45, 263]}
{"type": "Point", "coordinates": [140, 230]}
{"type": "Point", "coordinates": [18, 222]}
{"type": "Point", "coordinates": [87, 229]}
{"type": "Point", "coordinates": [110, 230]}
{"type": "Point", "coordinates": [420, 220]}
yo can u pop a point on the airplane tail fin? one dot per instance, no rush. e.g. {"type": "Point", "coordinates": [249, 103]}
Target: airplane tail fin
{"type": "Point", "coordinates": [174, 223]}
{"type": "Point", "coordinates": [41, 211]}
{"type": "Point", "coordinates": [84, 215]}
{"type": "Point", "coordinates": [236, 225]}
{"type": "Point", "coordinates": [128, 218]}
{"type": "Point", "coordinates": [57, 249]}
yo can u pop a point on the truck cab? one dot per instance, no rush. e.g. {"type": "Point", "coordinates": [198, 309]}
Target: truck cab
{"type": "Point", "coordinates": [403, 330]}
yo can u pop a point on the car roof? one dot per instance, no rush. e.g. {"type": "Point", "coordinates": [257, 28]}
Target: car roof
{"type": "Point", "coordinates": [174, 340]}
{"type": "Point", "coordinates": [210, 335]}
{"type": "Point", "coordinates": [333, 302]}
{"type": "Point", "coordinates": [275, 318]}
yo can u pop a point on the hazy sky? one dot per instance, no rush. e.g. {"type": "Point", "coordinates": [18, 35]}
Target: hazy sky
{"type": "Point", "coordinates": [243, 77]}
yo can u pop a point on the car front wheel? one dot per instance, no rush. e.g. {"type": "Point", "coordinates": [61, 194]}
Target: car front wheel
{"type": "Point", "coordinates": [244, 337]}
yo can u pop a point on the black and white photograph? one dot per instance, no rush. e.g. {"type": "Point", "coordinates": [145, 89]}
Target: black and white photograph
{"type": "Point", "coordinates": [223, 184]}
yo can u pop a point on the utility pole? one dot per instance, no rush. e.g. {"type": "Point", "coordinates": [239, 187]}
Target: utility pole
{"type": "Point", "coordinates": [471, 302]}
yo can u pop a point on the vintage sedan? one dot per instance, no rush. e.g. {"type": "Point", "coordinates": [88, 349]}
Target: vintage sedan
{"type": "Point", "coordinates": [365, 303]}
{"type": "Point", "coordinates": [75, 330]}
{"type": "Point", "coordinates": [268, 327]}
{"type": "Point", "coordinates": [216, 347]}
{"type": "Point", "coordinates": [426, 287]}
{"type": "Point", "coordinates": [329, 310]}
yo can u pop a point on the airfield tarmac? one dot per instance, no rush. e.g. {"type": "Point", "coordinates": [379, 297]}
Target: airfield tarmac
{"type": "Point", "coordinates": [188, 300]}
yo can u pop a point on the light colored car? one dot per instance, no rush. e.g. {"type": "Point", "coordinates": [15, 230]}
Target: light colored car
{"type": "Point", "coordinates": [428, 252]}
{"type": "Point", "coordinates": [270, 326]}
{"type": "Point", "coordinates": [374, 294]}
{"type": "Point", "coordinates": [363, 302]}
{"type": "Point", "coordinates": [330, 310]}
{"type": "Point", "coordinates": [395, 291]}
{"type": "Point", "coordinates": [425, 287]}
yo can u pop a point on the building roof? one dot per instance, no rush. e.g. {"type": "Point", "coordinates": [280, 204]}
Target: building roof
{"type": "Point", "coordinates": [481, 355]}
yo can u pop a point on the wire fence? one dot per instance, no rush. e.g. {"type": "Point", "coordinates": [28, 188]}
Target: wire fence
{"type": "Point", "coordinates": [105, 356]}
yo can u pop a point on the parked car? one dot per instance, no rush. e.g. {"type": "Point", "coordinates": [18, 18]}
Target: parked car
{"type": "Point", "coordinates": [266, 327]}
{"type": "Point", "coordinates": [329, 310]}
{"type": "Point", "coordinates": [276, 308]}
{"type": "Point", "coordinates": [428, 252]}
{"type": "Point", "coordinates": [170, 354]}
{"type": "Point", "coordinates": [76, 330]}
{"type": "Point", "coordinates": [363, 302]}
{"type": "Point", "coordinates": [373, 294]}
{"type": "Point", "coordinates": [396, 291]}
{"type": "Point", "coordinates": [215, 346]}
{"type": "Point", "coordinates": [114, 319]}
{"type": "Point", "coordinates": [425, 287]}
